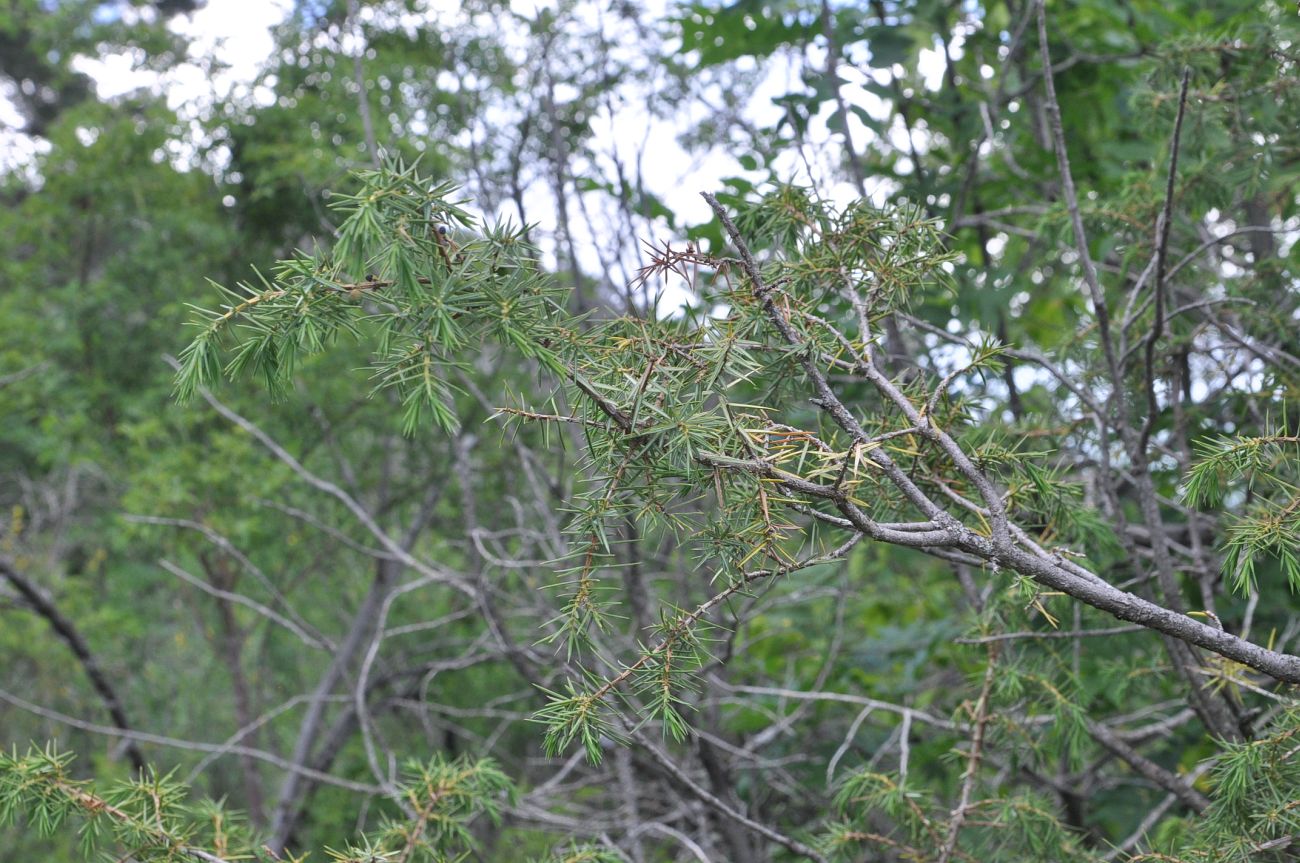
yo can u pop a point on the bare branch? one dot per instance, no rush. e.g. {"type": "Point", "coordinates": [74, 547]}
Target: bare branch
{"type": "Point", "coordinates": [42, 605]}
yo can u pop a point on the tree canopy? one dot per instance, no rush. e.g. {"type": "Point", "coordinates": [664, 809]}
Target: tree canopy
{"type": "Point", "coordinates": [399, 465]}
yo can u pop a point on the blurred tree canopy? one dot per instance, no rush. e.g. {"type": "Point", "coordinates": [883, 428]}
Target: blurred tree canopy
{"type": "Point", "coordinates": [402, 461]}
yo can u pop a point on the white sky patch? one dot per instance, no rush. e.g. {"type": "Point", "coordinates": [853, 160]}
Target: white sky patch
{"type": "Point", "coordinates": [236, 33]}
{"type": "Point", "coordinates": [18, 152]}
{"type": "Point", "coordinates": [116, 74]}
{"type": "Point", "coordinates": [230, 43]}
{"type": "Point", "coordinates": [932, 64]}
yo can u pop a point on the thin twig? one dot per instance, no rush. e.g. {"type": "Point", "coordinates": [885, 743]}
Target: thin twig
{"type": "Point", "coordinates": [1163, 224]}
{"type": "Point", "coordinates": [192, 745]}
{"type": "Point", "coordinates": [973, 760]}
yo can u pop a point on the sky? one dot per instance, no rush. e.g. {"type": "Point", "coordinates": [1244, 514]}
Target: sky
{"type": "Point", "coordinates": [234, 33]}
{"type": "Point", "coordinates": [237, 33]}
{"type": "Point", "coordinates": [234, 38]}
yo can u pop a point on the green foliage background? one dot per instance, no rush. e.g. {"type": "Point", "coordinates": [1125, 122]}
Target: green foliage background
{"type": "Point", "coordinates": [420, 378]}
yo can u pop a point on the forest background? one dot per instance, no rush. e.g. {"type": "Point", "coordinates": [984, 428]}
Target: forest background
{"type": "Point", "coordinates": [926, 492]}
